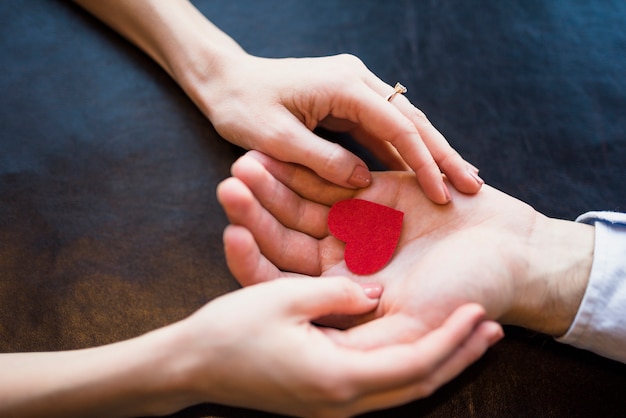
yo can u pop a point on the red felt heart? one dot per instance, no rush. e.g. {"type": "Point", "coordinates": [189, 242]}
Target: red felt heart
{"type": "Point", "coordinates": [371, 232]}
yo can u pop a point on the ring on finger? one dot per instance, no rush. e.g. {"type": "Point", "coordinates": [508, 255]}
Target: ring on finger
{"type": "Point", "coordinates": [398, 89]}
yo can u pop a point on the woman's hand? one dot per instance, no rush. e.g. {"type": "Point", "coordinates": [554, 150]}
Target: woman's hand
{"type": "Point", "coordinates": [257, 348]}
{"type": "Point", "coordinates": [273, 105]}
{"type": "Point", "coordinates": [254, 348]}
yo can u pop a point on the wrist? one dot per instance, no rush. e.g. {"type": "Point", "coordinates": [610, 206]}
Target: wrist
{"type": "Point", "coordinates": [159, 383]}
{"type": "Point", "coordinates": [195, 53]}
{"type": "Point", "coordinates": [141, 376]}
{"type": "Point", "coordinates": [135, 377]}
{"type": "Point", "coordinates": [193, 47]}
{"type": "Point", "coordinates": [205, 73]}
{"type": "Point", "coordinates": [559, 255]}
{"type": "Point", "coordinates": [174, 34]}
{"type": "Point", "coordinates": [166, 370]}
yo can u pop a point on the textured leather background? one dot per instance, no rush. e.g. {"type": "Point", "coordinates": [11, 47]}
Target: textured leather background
{"type": "Point", "coordinates": [109, 226]}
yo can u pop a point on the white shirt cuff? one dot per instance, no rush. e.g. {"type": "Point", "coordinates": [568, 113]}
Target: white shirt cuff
{"type": "Point", "coordinates": [600, 324]}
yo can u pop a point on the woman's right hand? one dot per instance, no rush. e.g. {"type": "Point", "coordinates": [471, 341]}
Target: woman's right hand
{"type": "Point", "coordinates": [257, 348]}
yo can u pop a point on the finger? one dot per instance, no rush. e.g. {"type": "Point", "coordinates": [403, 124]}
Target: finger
{"type": "Point", "coordinates": [401, 364]}
{"type": "Point", "coordinates": [369, 109]}
{"type": "Point", "coordinates": [297, 144]}
{"type": "Point", "coordinates": [310, 299]}
{"type": "Point", "coordinates": [310, 186]}
{"type": "Point", "coordinates": [284, 204]}
{"type": "Point", "coordinates": [399, 373]}
{"type": "Point", "coordinates": [302, 180]}
{"type": "Point", "coordinates": [396, 374]}
{"type": "Point", "coordinates": [383, 331]}
{"type": "Point", "coordinates": [244, 259]}
{"type": "Point", "coordinates": [461, 174]}
{"type": "Point", "coordinates": [287, 249]}
{"type": "Point", "coordinates": [484, 336]}
{"type": "Point", "coordinates": [382, 150]}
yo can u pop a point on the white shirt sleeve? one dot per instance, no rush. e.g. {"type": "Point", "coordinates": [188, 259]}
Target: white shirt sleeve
{"type": "Point", "coordinates": [600, 324]}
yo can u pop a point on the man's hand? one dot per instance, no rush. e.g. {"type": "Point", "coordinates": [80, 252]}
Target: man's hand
{"type": "Point", "coordinates": [489, 248]}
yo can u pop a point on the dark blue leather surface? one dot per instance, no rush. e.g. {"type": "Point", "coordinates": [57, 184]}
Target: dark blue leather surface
{"type": "Point", "coordinates": [109, 226]}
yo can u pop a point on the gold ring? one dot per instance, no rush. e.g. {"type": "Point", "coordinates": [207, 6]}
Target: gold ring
{"type": "Point", "coordinates": [398, 88]}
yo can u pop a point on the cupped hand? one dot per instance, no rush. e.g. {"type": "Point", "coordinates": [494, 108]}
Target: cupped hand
{"type": "Point", "coordinates": [468, 251]}
{"type": "Point", "coordinates": [257, 348]}
{"type": "Point", "coordinates": [273, 105]}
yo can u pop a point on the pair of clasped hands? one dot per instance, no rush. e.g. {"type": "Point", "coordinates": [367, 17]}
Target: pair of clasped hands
{"type": "Point", "coordinates": [399, 334]}
{"type": "Point", "coordinates": [388, 338]}
{"type": "Point", "coordinates": [328, 342]}
{"type": "Point", "coordinates": [306, 336]}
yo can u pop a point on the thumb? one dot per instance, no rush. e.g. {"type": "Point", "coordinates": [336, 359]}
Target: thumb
{"type": "Point", "coordinates": [329, 160]}
{"type": "Point", "coordinates": [379, 332]}
{"type": "Point", "coordinates": [318, 297]}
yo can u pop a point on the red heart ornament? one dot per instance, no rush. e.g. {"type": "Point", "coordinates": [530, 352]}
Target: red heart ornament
{"type": "Point", "coordinates": [371, 232]}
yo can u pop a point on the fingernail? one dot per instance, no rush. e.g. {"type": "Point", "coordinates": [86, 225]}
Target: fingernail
{"type": "Point", "coordinates": [497, 335]}
{"type": "Point", "coordinates": [473, 171]}
{"type": "Point", "coordinates": [446, 193]}
{"type": "Point", "coordinates": [360, 177]}
{"type": "Point", "coordinates": [372, 290]}
{"type": "Point", "coordinates": [473, 168]}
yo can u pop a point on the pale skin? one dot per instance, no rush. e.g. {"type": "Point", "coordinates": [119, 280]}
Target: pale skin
{"type": "Point", "coordinates": [526, 269]}
{"type": "Point", "coordinates": [273, 105]}
{"type": "Point", "coordinates": [255, 348]}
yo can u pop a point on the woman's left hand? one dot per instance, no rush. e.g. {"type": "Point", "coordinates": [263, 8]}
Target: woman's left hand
{"type": "Point", "coordinates": [274, 105]}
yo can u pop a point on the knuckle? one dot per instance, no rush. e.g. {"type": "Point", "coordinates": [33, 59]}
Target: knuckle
{"type": "Point", "coordinates": [335, 160]}
{"type": "Point", "coordinates": [404, 130]}
{"type": "Point", "coordinates": [347, 68]}
{"type": "Point", "coordinates": [273, 137]}
{"type": "Point", "coordinates": [450, 158]}
{"type": "Point", "coordinates": [351, 59]}
{"type": "Point", "coordinates": [427, 170]}
{"type": "Point", "coordinates": [346, 287]}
